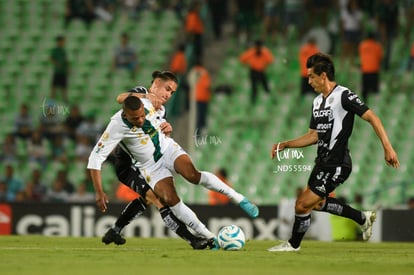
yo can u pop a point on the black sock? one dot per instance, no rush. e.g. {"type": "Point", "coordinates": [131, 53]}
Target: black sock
{"type": "Point", "coordinates": [133, 209]}
{"type": "Point", "coordinates": [175, 225]}
{"type": "Point", "coordinates": [336, 207]}
{"type": "Point", "coordinates": [301, 225]}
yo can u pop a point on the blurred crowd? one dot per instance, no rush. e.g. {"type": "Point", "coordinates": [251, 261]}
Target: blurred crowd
{"type": "Point", "coordinates": [57, 136]}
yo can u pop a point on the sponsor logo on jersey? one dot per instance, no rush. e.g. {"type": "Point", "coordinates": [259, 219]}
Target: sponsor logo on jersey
{"type": "Point", "coordinates": [352, 96]}
{"type": "Point", "coordinates": [322, 113]}
{"type": "Point", "coordinates": [321, 188]}
{"type": "Point", "coordinates": [100, 146]}
{"type": "Point", "coordinates": [320, 175]}
{"type": "Point", "coordinates": [324, 126]}
{"type": "Point", "coordinates": [105, 136]}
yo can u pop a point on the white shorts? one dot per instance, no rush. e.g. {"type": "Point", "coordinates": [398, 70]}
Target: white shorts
{"type": "Point", "coordinates": [153, 171]}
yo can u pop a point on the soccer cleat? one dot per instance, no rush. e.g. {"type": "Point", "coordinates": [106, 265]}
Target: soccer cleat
{"type": "Point", "coordinates": [366, 228]}
{"type": "Point", "coordinates": [199, 243]}
{"type": "Point", "coordinates": [249, 208]}
{"type": "Point", "coordinates": [213, 244]}
{"type": "Point", "coordinates": [283, 247]}
{"type": "Point", "coordinates": [112, 236]}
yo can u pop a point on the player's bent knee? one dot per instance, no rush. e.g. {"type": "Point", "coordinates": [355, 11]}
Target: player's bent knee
{"type": "Point", "coordinates": [169, 199]}
{"type": "Point", "coordinates": [193, 177]}
{"type": "Point", "coordinates": [301, 209]}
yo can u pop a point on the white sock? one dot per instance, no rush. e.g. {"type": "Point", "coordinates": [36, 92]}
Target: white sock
{"type": "Point", "coordinates": [212, 182]}
{"type": "Point", "coordinates": [187, 216]}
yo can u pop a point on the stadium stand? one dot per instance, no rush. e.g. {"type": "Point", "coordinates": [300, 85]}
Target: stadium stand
{"type": "Point", "coordinates": [26, 71]}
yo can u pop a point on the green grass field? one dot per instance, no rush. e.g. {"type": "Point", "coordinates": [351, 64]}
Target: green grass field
{"type": "Point", "coordinates": [57, 255]}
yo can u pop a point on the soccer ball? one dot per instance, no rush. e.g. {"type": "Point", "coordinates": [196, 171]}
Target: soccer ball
{"type": "Point", "coordinates": [231, 237]}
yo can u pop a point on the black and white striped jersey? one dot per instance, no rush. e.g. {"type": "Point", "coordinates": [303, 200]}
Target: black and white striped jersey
{"type": "Point", "coordinates": [333, 119]}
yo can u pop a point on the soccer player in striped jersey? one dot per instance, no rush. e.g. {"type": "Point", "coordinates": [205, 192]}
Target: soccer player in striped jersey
{"type": "Point", "coordinates": [330, 128]}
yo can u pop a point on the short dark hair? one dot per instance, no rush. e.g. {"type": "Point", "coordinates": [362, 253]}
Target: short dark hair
{"type": "Point", "coordinates": [322, 63]}
{"type": "Point", "coordinates": [164, 75]}
{"type": "Point", "coordinates": [132, 103]}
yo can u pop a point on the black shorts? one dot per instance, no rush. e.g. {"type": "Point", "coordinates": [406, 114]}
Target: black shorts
{"type": "Point", "coordinates": [128, 174]}
{"type": "Point", "coordinates": [60, 80]}
{"type": "Point", "coordinates": [323, 180]}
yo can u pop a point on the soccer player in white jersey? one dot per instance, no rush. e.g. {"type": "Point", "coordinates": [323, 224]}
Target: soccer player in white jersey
{"type": "Point", "coordinates": [131, 177]}
{"type": "Point", "coordinates": [331, 126]}
{"type": "Point", "coordinates": [157, 157]}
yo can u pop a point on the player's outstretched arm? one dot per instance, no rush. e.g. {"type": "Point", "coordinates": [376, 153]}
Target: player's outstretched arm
{"type": "Point", "coordinates": [101, 198]}
{"type": "Point", "coordinates": [121, 97]}
{"type": "Point", "coordinates": [155, 100]}
{"type": "Point", "coordinates": [311, 137]}
{"type": "Point", "coordinates": [390, 155]}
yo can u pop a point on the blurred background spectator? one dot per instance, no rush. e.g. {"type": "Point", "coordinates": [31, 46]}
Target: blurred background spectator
{"type": "Point", "coordinates": [73, 121]}
{"type": "Point", "coordinates": [57, 192]}
{"type": "Point", "coordinates": [125, 56]}
{"type": "Point", "coordinates": [37, 149]}
{"type": "Point", "coordinates": [58, 150]}
{"type": "Point", "coordinates": [89, 128]}
{"type": "Point", "coordinates": [60, 62]}
{"type": "Point", "coordinates": [257, 58]}
{"type": "Point", "coordinates": [218, 13]}
{"type": "Point", "coordinates": [387, 12]}
{"type": "Point", "coordinates": [200, 82]}
{"type": "Point", "coordinates": [9, 149]}
{"type": "Point", "coordinates": [82, 195]}
{"type": "Point", "coordinates": [370, 55]}
{"type": "Point", "coordinates": [194, 28]}
{"type": "Point", "coordinates": [51, 121]}
{"type": "Point", "coordinates": [11, 184]}
{"type": "Point", "coordinates": [36, 189]}
{"type": "Point", "coordinates": [23, 123]}
{"type": "Point", "coordinates": [306, 50]}
{"type": "Point", "coordinates": [63, 182]}
{"type": "Point", "coordinates": [271, 21]}
{"type": "Point", "coordinates": [178, 63]}
{"type": "Point", "coordinates": [80, 9]}
{"type": "Point", "coordinates": [351, 22]}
